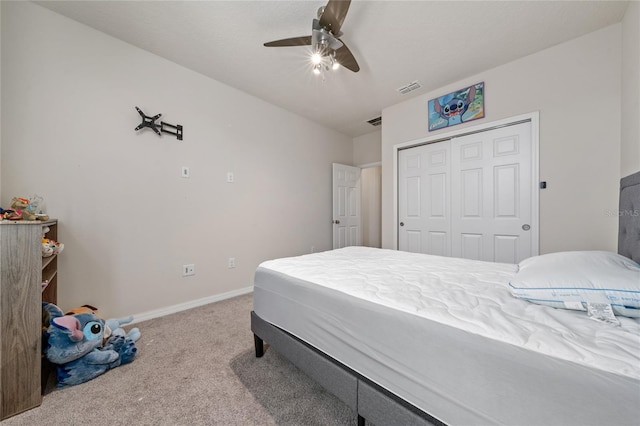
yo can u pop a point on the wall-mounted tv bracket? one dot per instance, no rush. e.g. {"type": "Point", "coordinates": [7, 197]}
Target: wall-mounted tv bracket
{"type": "Point", "coordinates": [150, 122]}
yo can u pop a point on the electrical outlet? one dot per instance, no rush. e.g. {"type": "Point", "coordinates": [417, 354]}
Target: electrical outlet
{"type": "Point", "coordinates": [188, 270]}
{"type": "Point", "coordinates": [231, 263]}
{"type": "Point", "coordinates": [186, 173]}
{"type": "Point", "coordinates": [230, 177]}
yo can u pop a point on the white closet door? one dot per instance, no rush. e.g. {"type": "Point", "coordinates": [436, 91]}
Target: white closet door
{"type": "Point", "coordinates": [423, 194]}
{"type": "Point", "coordinates": [491, 178]}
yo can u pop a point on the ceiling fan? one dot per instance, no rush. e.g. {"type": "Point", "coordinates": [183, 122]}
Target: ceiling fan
{"type": "Point", "coordinates": [328, 50]}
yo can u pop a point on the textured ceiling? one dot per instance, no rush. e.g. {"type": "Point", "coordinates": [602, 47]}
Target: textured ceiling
{"type": "Point", "coordinates": [395, 43]}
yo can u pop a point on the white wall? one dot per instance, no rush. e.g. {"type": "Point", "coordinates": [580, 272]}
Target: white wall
{"type": "Point", "coordinates": [630, 158]}
{"type": "Point", "coordinates": [127, 218]}
{"type": "Point", "coordinates": [371, 180]}
{"type": "Point", "coordinates": [576, 88]}
{"type": "Point", "coordinates": [367, 148]}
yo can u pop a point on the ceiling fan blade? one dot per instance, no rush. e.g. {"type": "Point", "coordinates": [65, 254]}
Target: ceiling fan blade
{"type": "Point", "coordinates": [333, 16]}
{"type": "Point", "coordinates": [346, 59]}
{"type": "Point", "coordinates": [294, 41]}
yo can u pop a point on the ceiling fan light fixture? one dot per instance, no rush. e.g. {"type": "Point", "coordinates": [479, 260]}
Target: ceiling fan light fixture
{"type": "Point", "coordinates": [316, 58]}
{"type": "Point", "coordinates": [334, 62]}
{"type": "Point", "coordinates": [325, 39]}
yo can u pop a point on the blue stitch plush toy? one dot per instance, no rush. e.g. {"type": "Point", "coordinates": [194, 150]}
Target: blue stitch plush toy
{"type": "Point", "coordinates": [74, 343]}
{"type": "Point", "coordinates": [114, 328]}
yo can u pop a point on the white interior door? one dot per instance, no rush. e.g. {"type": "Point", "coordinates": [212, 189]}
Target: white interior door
{"type": "Point", "coordinates": [492, 195]}
{"type": "Point", "coordinates": [424, 199]}
{"type": "Point", "coordinates": [346, 206]}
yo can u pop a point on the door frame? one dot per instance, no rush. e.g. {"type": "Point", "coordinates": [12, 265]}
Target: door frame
{"type": "Point", "coordinates": [533, 117]}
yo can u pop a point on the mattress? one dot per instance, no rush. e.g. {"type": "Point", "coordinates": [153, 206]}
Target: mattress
{"type": "Point", "coordinates": [446, 335]}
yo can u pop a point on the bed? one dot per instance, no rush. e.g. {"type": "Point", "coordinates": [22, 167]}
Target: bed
{"type": "Point", "coordinates": [407, 338]}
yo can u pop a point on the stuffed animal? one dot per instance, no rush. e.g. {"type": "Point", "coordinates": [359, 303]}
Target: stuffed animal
{"type": "Point", "coordinates": [113, 326]}
{"type": "Point", "coordinates": [47, 250]}
{"type": "Point", "coordinates": [115, 329]}
{"type": "Point", "coordinates": [125, 347]}
{"type": "Point", "coordinates": [75, 344]}
{"type": "Point", "coordinates": [84, 309]}
{"type": "Point", "coordinates": [35, 207]}
{"type": "Point", "coordinates": [49, 246]}
{"type": "Point", "coordinates": [9, 215]}
{"type": "Point", "coordinates": [19, 205]}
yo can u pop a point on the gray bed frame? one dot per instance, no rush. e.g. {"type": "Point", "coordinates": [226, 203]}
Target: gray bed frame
{"type": "Point", "coordinates": [369, 400]}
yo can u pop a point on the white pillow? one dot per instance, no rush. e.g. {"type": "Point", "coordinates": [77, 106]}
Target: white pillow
{"type": "Point", "coordinates": [572, 279]}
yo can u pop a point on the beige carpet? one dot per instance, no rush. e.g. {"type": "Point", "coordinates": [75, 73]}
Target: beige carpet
{"type": "Point", "coordinates": [195, 367]}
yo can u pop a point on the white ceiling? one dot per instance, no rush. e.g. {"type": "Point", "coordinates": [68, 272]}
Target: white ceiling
{"type": "Point", "coordinates": [395, 43]}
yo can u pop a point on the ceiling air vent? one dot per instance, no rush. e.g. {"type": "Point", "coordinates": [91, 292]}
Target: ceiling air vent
{"type": "Point", "coordinates": [375, 121]}
{"type": "Point", "coordinates": [409, 87]}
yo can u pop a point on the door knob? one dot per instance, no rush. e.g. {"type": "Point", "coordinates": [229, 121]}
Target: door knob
{"type": "Point", "coordinates": [401, 223]}
{"type": "Point", "coordinates": [337, 222]}
{"type": "Point", "coordinates": [526, 227]}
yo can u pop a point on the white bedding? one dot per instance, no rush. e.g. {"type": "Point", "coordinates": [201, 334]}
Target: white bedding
{"type": "Point", "coordinates": [447, 336]}
{"type": "Point", "coordinates": [474, 296]}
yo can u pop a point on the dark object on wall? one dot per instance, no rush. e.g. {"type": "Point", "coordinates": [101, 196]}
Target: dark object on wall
{"type": "Point", "coordinates": [150, 122]}
{"type": "Point", "coordinates": [543, 185]}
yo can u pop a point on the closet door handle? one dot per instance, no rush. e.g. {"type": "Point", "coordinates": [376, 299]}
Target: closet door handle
{"type": "Point", "coordinates": [526, 227]}
{"type": "Point", "coordinates": [401, 223]}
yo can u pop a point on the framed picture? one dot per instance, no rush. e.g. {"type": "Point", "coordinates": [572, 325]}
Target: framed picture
{"type": "Point", "coordinates": [457, 107]}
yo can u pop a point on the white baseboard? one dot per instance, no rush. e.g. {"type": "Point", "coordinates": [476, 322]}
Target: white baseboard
{"type": "Point", "coordinates": [188, 305]}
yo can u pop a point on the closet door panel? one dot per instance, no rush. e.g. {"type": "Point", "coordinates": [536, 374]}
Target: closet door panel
{"type": "Point", "coordinates": [491, 194]}
{"type": "Point", "coordinates": [424, 199]}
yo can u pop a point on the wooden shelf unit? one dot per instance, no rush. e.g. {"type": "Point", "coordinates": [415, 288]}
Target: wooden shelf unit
{"type": "Point", "coordinates": [22, 271]}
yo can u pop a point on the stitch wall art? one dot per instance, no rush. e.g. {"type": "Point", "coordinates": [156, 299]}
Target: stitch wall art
{"type": "Point", "coordinates": [457, 107]}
